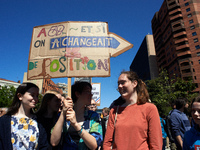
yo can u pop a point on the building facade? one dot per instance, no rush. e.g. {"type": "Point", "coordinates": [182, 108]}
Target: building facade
{"type": "Point", "coordinates": [48, 84]}
{"type": "Point", "coordinates": [64, 88]}
{"type": "Point", "coordinates": [5, 82]}
{"type": "Point", "coordinates": [176, 28]}
{"type": "Point", "coordinates": [43, 84]}
{"type": "Point", "coordinates": [145, 59]}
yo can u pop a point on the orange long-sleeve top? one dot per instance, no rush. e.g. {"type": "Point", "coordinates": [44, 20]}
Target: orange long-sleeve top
{"type": "Point", "coordinates": [137, 128]}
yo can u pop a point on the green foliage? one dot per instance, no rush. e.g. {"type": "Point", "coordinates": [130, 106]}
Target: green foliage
{"type": "Point", "coordinates": [163, 91]}
{"type": "Point", "coordinates": [7, 94]}
{"type": "Point", "coordinates": [39, 102]}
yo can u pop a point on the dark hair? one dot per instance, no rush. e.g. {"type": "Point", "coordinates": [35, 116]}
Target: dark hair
{"type": "Point", "coordinates": [196, 99]}
{"type": "Point", "coordinates": [79, 86]}
{"type": "Point", "coordinates": [141, 88]}
{"type": "Point", "coordinates": [22, 89]}
{"type": "Point", "coordinates": [180, 102]}
{"type": "Point", "coordinates": [118, 101]}
{"type": "Point", "coordinates": [49, 95]}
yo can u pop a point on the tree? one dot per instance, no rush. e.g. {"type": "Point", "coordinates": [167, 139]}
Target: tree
{"type": "Point", "coordinates": [6, 95]}
{"type": "Point", "coordinates": [163, 91]}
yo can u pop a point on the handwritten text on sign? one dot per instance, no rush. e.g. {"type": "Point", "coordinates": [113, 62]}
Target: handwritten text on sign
{"type": "Point", "coordinates": [73, 49]}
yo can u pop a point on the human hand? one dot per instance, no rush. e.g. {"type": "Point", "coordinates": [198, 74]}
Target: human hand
{"type": "Point", "coordinates": [67, 103]}
{"type": "Point", "coordinates": [71, 116]}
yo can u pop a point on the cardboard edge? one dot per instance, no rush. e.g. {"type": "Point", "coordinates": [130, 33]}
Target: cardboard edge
{"type": "Point", "coordinates": [123, 50]}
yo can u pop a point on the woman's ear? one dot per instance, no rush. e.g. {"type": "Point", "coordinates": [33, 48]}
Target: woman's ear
{"type": "Point", "coordinates": [19, 95]}
{"type": "Point", "coordinates": [77, 94]}
{"type": "Point", "coordinates": [134, 83]}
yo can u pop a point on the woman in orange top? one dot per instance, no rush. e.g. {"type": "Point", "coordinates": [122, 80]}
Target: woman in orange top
{"type": "Point", "coordinates": [137, 124]}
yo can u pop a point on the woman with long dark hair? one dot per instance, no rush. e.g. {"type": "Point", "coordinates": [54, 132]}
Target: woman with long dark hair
{"type": "Point", "coordinates": [134, 125]}
{"type": "Point", "coordinates": [47, 114]}
{"type": "Point", "coordinates": [19, 128]}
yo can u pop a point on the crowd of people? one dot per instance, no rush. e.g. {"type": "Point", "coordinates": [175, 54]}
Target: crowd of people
{"type": "Point", "coordinates": [131, 122]}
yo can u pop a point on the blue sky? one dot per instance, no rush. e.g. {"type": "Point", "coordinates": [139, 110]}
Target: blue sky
{"type": "Point", "coordinates": [129, 19]}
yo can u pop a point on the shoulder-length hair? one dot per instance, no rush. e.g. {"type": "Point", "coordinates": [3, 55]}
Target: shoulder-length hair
{"type": "Point", "coordinates": [141, 88]}
{"type": "Point", "coordinates": [22, 89]}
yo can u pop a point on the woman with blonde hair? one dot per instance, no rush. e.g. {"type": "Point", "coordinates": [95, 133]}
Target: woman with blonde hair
{"type": "Point", "coordinates": [134, 125]}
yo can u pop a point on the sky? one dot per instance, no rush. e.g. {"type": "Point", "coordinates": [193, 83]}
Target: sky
{"type": "Point", "coordinates": [129, 19]}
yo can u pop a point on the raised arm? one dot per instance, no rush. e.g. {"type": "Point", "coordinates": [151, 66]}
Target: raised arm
{"type": "Point", "coordinates": [57, 130]}
{"type": "Point", "coordinates": [88, 139]}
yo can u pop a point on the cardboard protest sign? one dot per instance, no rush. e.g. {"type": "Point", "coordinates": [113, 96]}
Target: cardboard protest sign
{"type": "Point", "coordinates": [73, 49]}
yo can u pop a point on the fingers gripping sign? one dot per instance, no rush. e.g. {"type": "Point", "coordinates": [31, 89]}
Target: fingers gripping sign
{"type": "Point", "coordinates": [67, 103]}
{"type": "Point", "coordinates": [71, 116]}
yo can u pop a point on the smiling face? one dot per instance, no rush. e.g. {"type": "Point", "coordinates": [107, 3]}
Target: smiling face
{"type": "Point", "coordinates": [30, 98]}
{"type": "Point", "coordinates": [125, 86]}
{"type": "Point", "coordinates": [196, 112]}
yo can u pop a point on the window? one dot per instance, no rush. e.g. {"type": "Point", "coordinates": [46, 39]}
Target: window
{"type": "Point", "coordinates": [195, 77]}
{"type": "Point", "coordinates": [188, 9]}
{"type": "Point", "coordinates": [191, 21]}
{"type": "Point", "coordinates": [193, 70]}
{"type": "Point", "coordinates": [195, 40]}
{"type": "Point", "coordinates": [199, 61]}
{"type": "Point", "coordinates": [189, 15]}
{"type": "Point", "coordinates": [186, 4]}
{"type": "Point", "coordinates": [192, 27]}
{"type": "Point", "coordinates": [194, 33]}
{"type": "Point", "coordinates": [197, 47]}
{"type": "Point", "coordinates": [198, 54]}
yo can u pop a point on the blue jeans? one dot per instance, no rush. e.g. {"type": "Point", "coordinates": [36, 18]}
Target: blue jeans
{"type": "Point", "coordinates": [164, 144]}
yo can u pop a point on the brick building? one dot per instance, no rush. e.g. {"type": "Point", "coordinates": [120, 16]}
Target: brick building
{"type": "Point", "coordinates": [176, 28]}
{"type": "Point", "coordinates": [43, 84]}
{"type": "Point", "coordinates": [48, 84]}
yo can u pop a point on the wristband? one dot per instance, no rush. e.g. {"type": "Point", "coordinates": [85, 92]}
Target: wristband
{"type": "Point", "coordinates": [80, 131]}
